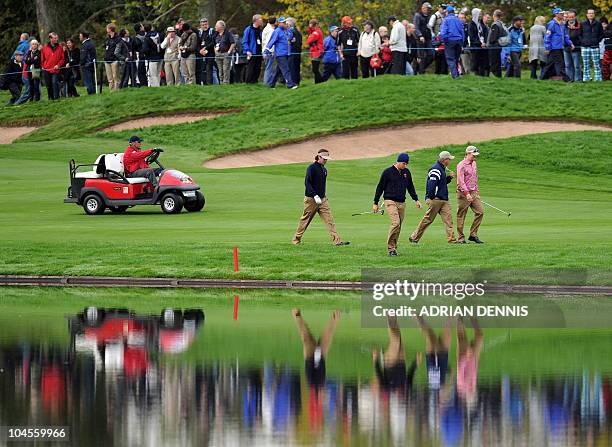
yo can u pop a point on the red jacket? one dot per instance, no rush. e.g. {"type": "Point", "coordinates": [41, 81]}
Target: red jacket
{"type": "Point", "coordinates": [50, 57]}
{"type": "Point", "coordinates": [134, 159]}
{"type": "Point", "coordinates": [386, 54]}
{"type": "Point", "coordinates": [315, 42]}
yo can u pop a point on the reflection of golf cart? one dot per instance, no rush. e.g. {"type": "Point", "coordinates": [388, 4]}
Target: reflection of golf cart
{"type": "Point", "coordinates": [125, 339]}
{"type": "Point", "coordinates": [106, 186]}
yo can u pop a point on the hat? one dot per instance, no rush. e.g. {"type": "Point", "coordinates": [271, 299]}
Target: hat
{"type": "Point", "coordinates": [136, 139]}
{"type": "Point", "coordinates": [346, 19]}
{"type": "Point", "coordinates": [472, 150]}
{"type": "Point", "coordinates": [281, 19]}
{"type": "Point", "coordinates": [450, 8]}
{"type": "Point", "coordinates": [170, 29]}
{"type": "Point", "coordinates": [324, 153]}
{"type": "Point", "coordinates": [403, 158]}
{"type": "Point", "coordinates": [557, 11]}
{"type": "Point", "coordinates": [445, 155]}
{"type": "Point", "coordinates": [517, 18]}
{"type": "Point", "coordinates": [333, 28]}
{"type": "Point", "coordinates": [427, 5]}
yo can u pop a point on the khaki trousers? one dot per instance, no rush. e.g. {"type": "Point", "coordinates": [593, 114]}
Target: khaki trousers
{"type": "Point", "coordinates": [310, 209]}
{"type": "Point", "coordinates": [188, 65]}
{"type": "Point", "coordinates": [436, 206]}
{"type": "Point", "coordinates": [395, 210]}
{"type": "Point", "coordinates": [463, 205]}
{"type": "Point", "coordinates": [172, 72]}
{"type": "Point", "coordinates": [113, 75]}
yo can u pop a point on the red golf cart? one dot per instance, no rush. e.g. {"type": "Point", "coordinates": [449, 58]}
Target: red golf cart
{"type": "Point", "coordinates": [106, 186]}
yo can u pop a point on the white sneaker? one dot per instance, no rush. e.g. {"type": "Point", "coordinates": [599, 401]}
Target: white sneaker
{"type": "Point", "coordinates": [294, 87]}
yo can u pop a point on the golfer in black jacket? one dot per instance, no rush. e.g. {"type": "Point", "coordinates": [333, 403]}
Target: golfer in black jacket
{"type": "Point", "coordinates": [315, 200]}
{"type": "Point", "coordinates": [394, 182]}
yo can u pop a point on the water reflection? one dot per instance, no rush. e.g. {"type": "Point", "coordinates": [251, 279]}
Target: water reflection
{"type": "Point", "coordinates": [123, 381]}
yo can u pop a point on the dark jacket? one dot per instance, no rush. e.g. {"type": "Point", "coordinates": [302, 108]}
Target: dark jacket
{"type": "Point", "coordinates": [12, 75]}
{"type": "Point", "coordinates": [412, 44]}
{"type": "Point", "coordinates": [206, 39]}
{"type": "Point", "coordinates": [437, 182]}
{"type": "Point", "coordinates": [88, 54]}
{"type": "Point", "coordinates": [109, 48]}
{"type": "Point", "coordinates": [477, 38]}
{"type": "Point", "coordinates": [72, 57]}
{"type": "Point", "coordinates": [497, 31]}
{"type": "Point", "coordinates": [296, 45]}
{"type": "Point", "coordinates": [123, 50]}
{"type": "Point", "coordinates": [592, 33]}
{"type": "Point", "coordinates": [316, 178]}
{"type": "Point", "coordinates": [152, 46]}
{"type": "Point", "coordinates": [421, 22]}
{"type": "Point", "coordinates": [344, 37]}
{"type": "Point", "coordinates": [189, 40]}
{"type": "Point", "coordinates": [394, 183]}
{"type": "Point", "coordinates": [575, 34]}
{"type": "Point", "coordinates": [32, 59]}
{"type": "Point", "coordinates": [608, 38]}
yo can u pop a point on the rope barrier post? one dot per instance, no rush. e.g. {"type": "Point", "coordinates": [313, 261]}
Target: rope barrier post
{"type": "Point", "coordinates": [235, 259]}
{"type": "Point", "coordinates": [95, 64]}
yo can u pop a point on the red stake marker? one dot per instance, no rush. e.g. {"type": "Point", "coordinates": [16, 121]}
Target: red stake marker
{"type": "Point", "coordinates": [236, 307]}
{"type": "Point", "coordinates": [235, 259]}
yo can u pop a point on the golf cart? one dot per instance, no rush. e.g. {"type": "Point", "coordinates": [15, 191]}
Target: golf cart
{"type": "Point", "coordinates": [107, 186]}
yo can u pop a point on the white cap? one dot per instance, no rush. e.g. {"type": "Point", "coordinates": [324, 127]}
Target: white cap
{"type": "Point", "coordinates": [472, 150]}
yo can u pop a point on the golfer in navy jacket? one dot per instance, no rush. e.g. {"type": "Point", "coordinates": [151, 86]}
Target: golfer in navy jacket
{"type": "Point", "coordinates": [315, 200]}
{"type": "Point", "coordinates": [393, 183]}
{"type": "Point", "coordinates": [437, 199]}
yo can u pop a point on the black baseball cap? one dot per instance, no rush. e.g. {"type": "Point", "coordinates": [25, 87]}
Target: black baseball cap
{"type": "Point", "coordinates": [136, 139]}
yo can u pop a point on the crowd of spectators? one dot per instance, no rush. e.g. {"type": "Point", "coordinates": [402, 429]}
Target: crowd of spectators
{"type": "Point", "coordinates": [455, 42]}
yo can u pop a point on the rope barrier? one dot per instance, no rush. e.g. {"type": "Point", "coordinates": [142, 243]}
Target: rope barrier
{"type": "Point", "coordinates": [234, 55]}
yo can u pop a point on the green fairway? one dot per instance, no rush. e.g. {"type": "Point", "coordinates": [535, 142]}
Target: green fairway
{"type": "Point", "coordinates": [556, 185]}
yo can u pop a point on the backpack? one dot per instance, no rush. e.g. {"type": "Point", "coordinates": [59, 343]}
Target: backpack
{"type": "Point", "coordinates": [504, 40]}
{"type": "Point", "coordinates": [375, 62]}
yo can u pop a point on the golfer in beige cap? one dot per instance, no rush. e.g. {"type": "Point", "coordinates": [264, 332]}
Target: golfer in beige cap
{"type": "Point", "coordinates": [315, 200]}
{"type": "Point", "coordinates": [437, 199]}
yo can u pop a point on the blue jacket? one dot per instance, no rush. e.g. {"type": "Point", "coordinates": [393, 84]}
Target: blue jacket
{"type": "Point", "coordinates": [249, 40]}
{"type": "Point", "coordinates": [452, 29]}
{"type": "Point", "coordinates": [330, 51]}
{"type": "Point", "coordinates": [556, 37]}
{"type": "Point", "coordinates": [437, 182]}
{"type": "Point", "coordinates": [280, 41]}
{"type": "Point", "coordinates": [24, 47]}
{"type": "Point", "coordinates": [517, 39]}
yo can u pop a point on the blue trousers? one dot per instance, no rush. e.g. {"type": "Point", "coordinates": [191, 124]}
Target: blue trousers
{"type": "Point", "coordinates": [283, 70]}
{"type": "Point", "coordinates": [452, 52]}
{"type": "Point", "coordinates": [572, 61]}
{"type": "Point", "coordinates": [88, 79]}
{"type": "Point", "coordinates": [269, 70]}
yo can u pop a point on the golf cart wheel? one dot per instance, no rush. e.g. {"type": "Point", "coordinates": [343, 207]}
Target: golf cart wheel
{"type": "Point", "coordinates": [118, 209]}
{"type": "Point", "coordinates": [171, 203]}
{"type": "Point", "coordinates": [197, 204]}
{"type": "Point", "coordinates": [93, 204]}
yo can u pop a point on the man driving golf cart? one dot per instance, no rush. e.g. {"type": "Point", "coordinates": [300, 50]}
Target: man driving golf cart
{"type": "Point", "coordinates": [134, 163]}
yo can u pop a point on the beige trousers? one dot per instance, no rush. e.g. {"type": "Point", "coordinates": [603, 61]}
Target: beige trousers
{"type": "Point", "coordinates": [436, 206]}
{"type": "Point", "coordinates": [188, 65]}
{"type": "Point", "coordinates": [172, 72]}
{"type": "Point", "coordinates": [395, 210]}
{"type": "Point", "coordinates": [113, 74]}
{"type": "Point", "coordinates": [463, 205]}
{"type": "Point", "coordinates": [310, 209]}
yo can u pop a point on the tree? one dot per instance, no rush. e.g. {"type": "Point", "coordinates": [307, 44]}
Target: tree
{"type": "Point", "coordinates": [605, 6]}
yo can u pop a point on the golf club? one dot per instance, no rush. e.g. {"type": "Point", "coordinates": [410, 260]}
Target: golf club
{"type": "Point", "coordinates": [381, 212]}
{"type": "Point", "coordinates": [495, 208]}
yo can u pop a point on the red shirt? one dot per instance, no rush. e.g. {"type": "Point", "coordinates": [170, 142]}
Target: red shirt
{"type": "Point", "coordinates": [50, 57]}
{"type": "Point", "coordinates": [315, 42]}
{"type": "Point", "coordinates": [134, 159]}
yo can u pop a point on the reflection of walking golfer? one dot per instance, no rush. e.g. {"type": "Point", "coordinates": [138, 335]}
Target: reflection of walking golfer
{"type": "Point", "coordinates": [437, 199]}
{"type": "Point", "coordinates": [394, 182]}
{"type": "Point", "coordinates": [468, 195]}
{"type": "Point", "coordinates": [390, 368]}
{"type": "Point", "coordinates": [315, 200]}
{"type": "Point", "coordinates": [436, 348]}
{"type": "Point", "coordinates": [315, 352]}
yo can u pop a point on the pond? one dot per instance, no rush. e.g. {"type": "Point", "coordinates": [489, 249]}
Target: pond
{"type": "Point", "coordinates": [132, 368]}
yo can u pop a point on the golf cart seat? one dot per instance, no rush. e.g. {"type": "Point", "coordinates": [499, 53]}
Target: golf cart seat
{"type": "Point", "coordinates": [114, 162]}
{"type": "Point", "coordinates": [96, 173]}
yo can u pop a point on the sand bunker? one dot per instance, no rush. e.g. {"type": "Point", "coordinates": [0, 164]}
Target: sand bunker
{"type": "Point", "coordinates": [10, 134]}
{"type": "Point", "coordinates": [380, 142]}
{"type": "Point", "coordinates": [181, 118]}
